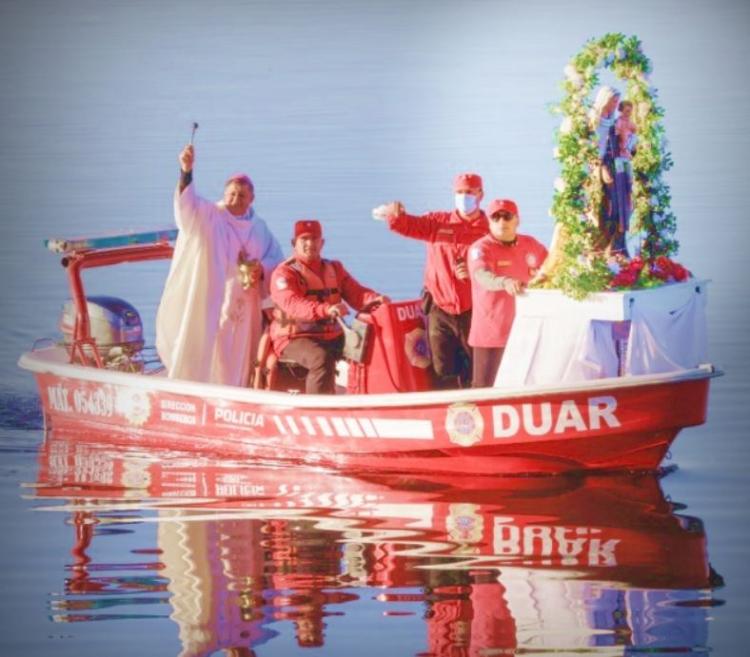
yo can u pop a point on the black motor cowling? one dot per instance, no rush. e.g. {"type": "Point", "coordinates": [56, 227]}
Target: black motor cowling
{"type": "Point", "coordinates": [115, 326]}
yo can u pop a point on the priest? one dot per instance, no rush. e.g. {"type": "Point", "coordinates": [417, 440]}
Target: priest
{"type": "Point", "coordinates": [209, 320]}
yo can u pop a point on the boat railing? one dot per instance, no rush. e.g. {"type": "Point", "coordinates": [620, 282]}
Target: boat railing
{"type": "Point", "coordinates": [77, 244]}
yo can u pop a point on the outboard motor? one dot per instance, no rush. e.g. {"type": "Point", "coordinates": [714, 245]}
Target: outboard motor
{"type": "Point", "coordinates": [115, 326]}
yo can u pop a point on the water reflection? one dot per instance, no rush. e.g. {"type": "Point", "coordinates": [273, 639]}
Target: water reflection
{"type": "Point", "coordinates": [240, 557]}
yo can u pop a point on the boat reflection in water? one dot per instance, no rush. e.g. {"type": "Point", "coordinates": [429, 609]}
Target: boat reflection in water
{"type": "Point", "coordinates": [474, 566]}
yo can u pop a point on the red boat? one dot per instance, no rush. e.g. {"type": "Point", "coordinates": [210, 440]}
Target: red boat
{"type": "Point", "coordinates": [387, 417]}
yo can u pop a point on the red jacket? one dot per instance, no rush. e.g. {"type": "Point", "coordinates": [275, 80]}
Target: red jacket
{"type": "Point", "coordinates": [297, 296]}
{"type": "Point", "coordinates": [448, 237]}
{"type": "Point", "coordinates": [494, 310]}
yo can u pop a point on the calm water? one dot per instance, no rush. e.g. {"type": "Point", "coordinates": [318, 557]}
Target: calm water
{"type": "Point", "coordinates": [335, 107]}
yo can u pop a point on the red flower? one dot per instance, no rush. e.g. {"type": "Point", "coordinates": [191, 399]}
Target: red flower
{"type": "Point", "coordinates": [636, 264]}
{"type": "Point", "coordinates": [625, 278]}
{"type": "Point", "coordinates": [679, 273]}
{"type": "Point", "coordinates": [662, 268]}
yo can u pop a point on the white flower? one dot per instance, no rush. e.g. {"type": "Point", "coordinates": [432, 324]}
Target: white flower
{"type": "Point", "coordinates": [566, 126]}
{"type": "Point", "coordinates": [560, 185]}
{"type": "Point", "coordinates": [574, 76]}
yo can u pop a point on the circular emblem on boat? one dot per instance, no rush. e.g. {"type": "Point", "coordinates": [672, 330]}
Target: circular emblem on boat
{"type": "Point", "coordinates": [464, 524]}
{"type": "Point", "coordinates": [464, 424]}
{"type": "Point", "coordinates": [134, 405]}
{"type": "Point", "coordinates": [416, 348]}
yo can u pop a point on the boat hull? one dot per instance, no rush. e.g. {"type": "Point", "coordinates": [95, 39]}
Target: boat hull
{"type": "Point", "coordinates": [625, 423]}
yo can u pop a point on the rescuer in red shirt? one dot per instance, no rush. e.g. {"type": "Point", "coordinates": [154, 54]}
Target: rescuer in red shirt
{"type": "Point", "coordinates": [447, 293]}
{"type": "Point", "coordinates": [501, 264]}
{"type": "Point", "coordinates": [309, 293]}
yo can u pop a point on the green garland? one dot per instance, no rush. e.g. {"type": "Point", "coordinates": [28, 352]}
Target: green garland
{"type": "Point", "coordinates": [584, 270]}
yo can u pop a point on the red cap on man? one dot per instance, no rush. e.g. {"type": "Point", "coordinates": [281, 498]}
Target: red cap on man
{"type": "Point", "coordinates": [467, 181]}
{"type": "Point", "coordinates": [502, 205]}
{"type": "Point", "coordinates": [307, 227]}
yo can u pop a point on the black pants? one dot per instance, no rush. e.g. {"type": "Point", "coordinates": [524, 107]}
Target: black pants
{"type": "Point", "coordinates": [451, 355]}
{"type": "Point", "coordinates": [319, 358]}
{"type": "Point", "coordinates": [486, 363]}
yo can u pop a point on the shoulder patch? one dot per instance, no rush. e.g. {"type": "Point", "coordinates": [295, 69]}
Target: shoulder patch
{"type": "Point", "coordinates": [282, 283]}
{"type": "Point", "coordinates": [475, 253]}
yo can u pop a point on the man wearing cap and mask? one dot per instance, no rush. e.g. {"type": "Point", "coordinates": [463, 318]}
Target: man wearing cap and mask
{"type": "Point", "coordinates": [447, 293]}
{"type": "Point", "coordinates": [501, 264]}
{"type": "Point", "coordinates": [209, 321]}
{"type": "Point", "coordinates": [309, 293]}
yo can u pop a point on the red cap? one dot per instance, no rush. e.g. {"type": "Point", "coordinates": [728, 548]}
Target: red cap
{"type": "Point", "coordinates": [502, 205]}
{"type": "Point", "coordinates": [464, 180]}
{"type": "Point", "coordinates": [307, 227]}
{"type": "Point", "coordinates": [241, 178]}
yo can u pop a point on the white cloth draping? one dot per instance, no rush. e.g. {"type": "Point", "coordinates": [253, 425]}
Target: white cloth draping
{"type": "Point", "coordinates": [664, 340]}
{"type": "Point", "coordinates": [558, 349]}
{"type": "Point", "coordinates": [207, 325]}
{"type": "Point", "coordinates": [667, 333]}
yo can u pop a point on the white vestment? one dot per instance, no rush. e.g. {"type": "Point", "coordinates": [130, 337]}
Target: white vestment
{"type": "Point", "coordinates": [208, 326]}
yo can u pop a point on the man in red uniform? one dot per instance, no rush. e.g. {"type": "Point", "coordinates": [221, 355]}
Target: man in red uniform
{"type": "Point", "coordinates": [501, 264]}
{"type": "Point", "coordinates": [309, 293]}
{"type": "Point", "coordinates": [446, 276]}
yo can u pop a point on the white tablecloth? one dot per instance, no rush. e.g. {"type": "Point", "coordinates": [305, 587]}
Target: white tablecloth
{"type": "Point", "coordinates": [556, 339]}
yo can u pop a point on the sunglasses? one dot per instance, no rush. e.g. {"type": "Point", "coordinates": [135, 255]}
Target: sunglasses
{"type": "Point", "coordinates": [504, 217]}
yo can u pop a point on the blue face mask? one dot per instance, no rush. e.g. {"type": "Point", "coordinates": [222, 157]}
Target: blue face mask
{"type": "Point", "coordinates": [466, 203]}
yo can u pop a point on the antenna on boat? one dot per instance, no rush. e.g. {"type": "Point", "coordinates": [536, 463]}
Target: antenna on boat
{"type": "Point", "coordinates": [192, 134]}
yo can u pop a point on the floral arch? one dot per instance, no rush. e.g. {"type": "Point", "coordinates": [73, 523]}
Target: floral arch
{"type": "Point", "coordinates": [580, 268]}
